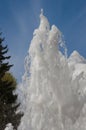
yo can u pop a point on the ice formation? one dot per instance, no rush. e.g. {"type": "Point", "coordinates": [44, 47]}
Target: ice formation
{"type": "Point", "coordinates": [52, 99]}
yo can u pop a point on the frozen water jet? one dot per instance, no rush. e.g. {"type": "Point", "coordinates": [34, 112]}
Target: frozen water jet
{"type": "Point", "coordinates": [50, 99]}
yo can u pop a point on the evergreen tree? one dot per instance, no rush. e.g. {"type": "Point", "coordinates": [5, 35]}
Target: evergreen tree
{"type": "Point", "coordinates": [8, 105]}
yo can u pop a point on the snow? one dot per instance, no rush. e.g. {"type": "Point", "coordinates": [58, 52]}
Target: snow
{"type": "Point", "coordinates": [9, 126]}
{"type": "Point", "coordinates": [52, 98]}
{"type": "Point", "coordinates": [75, 57]}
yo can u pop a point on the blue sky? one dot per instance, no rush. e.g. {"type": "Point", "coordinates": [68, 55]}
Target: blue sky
{"type": "Point", "coordinates": [19, 18]}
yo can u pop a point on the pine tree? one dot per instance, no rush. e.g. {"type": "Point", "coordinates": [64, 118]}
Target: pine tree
{"type": "Point", "coordinates": [8, 105]}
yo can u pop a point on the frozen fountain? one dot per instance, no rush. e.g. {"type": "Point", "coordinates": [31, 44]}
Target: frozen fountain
{"type": "Point", "coordinates": [50, 97]}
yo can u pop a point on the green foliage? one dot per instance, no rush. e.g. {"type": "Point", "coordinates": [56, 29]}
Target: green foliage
{"type": "Point", "coordinates": [9, 77]}
{"type": "Point", "coordinates": [7, 88]}
{"type": "Point", "coordinates": [4, 66]}
{"type": "Point", "coordinates": [8, 100]}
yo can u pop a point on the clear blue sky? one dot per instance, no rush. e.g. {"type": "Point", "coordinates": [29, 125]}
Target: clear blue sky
{"type": "Point", "coordinates": [19, 18]}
